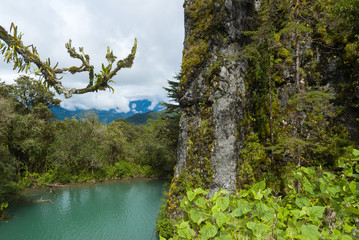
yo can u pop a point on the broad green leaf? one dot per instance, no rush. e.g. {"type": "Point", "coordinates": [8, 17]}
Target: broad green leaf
{"type": "Point", "coordinates": [242, 203]}
{"type": "Point", "coordinates": [221, 218]}
{"type": "Point", "coordinates": [237, 212]}
{"type": "Point", "coordinates": [243, 208]}
{"type": "Point", "coordinates": [198, 216]}
{"type": "Point", "coordinates": [259, 229]}
{"type": "Point", "coordinates": [200, 191]}
{"type": "Point", "coordinates": [347, 228]}
{"type": "Point", "coordinates": [222, 203]}
{"type": "Point", "coordinates": [259, 186]}
{"type": "Point", "coordinates": [353, 186]}
{"type": "Point", "coordinates": [185, 230]}
{"type": "Point", "coordinates": [282, 212]}
{"type": "Point", "coordinates": [329, 175]}
{"type": "Point", "coordinates": [208, 231]}
{"type": "Point", "coordinates": [323, 186]}
{"type": "Point", "coordinates": [341, 162]}
{"type": "Point", "coordinates": [316, 211]}
{"type": "Point", "coordinates": [305, 170]}
{"type": "Point", "coordinates": [257, 195]}
{"type": "Point", "coordinates": [348, 172]}
{"type": "Point", "coordinates": [183, 224]}
{"type": "Point", "coordinates": [309, 171]}
{"type": "Point", "coordinates": [307, 187]}
{"type": "Point", "coordinates": [185, 233]}
{"type": "Point", "coordinates": [334, 190]}
{"type": "Point", "coordinates": [355, 152]}
{"type": "Point", "coordinates": [252, 226]}
{"type": "Point", "coordinates": [261, 208]}
{"type": "Point", "coordinates": [201, 202]}
{"type": "Point", "coordinates": [353, 210]}
{"type": "Point", "coordinates": [336, 234]}
{"type": "Point", "coordinates": [184, 204]}
{"type": "Point", "coordinates": [244, 193]}
{"type": "Point", "coordinates": [215, 196]}
{"type": "Point", "coordinates": [267, 191]}
{"type": "Point", "coordinates": [302, 202]}
{"type": "Point", "coordinates": [297, 213]}
{"type": "Point", "coordinates": [215, 209]}
{"type": "Point", "coordinates": [310, 231]}
{"type": "Point", "coordinates": [291, 233]}
{"type": "Point", "coordinates": [268, 215]}
{"type": "Point", "coordinates": [224, 236]}
{"type": "Point", "coordinates": [224, 192]}
{"type": "Point", "coordinates": [298, 176]}
{"type": "Point", "coordinates": [191, 195]}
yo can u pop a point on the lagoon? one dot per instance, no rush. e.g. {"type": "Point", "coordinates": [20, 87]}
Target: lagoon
{"type": "Point", "coordinates": [125, 210]}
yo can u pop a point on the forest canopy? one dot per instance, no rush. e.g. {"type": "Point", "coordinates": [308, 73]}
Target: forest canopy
{"type": "Point", "coordinates": [37, 150]}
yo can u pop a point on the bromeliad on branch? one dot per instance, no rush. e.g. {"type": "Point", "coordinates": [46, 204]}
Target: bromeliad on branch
{"type": "Point", "coordinates": [22, 56]}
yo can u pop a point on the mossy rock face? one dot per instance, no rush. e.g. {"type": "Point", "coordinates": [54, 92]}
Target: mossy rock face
{"type": "Point", "coordinates": [239, 123]}
{"type": "Point", "coordinates": [211, 91]}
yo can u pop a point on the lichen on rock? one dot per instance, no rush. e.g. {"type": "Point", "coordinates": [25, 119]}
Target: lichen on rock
{"type": "Point", "coordinates": [211, 92]}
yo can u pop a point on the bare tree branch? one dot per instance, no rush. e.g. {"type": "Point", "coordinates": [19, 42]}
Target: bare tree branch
{"type": "Point", "coordinates": [22, 56]}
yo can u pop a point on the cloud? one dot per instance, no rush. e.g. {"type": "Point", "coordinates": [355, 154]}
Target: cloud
{"type": "Point", "coordinates": [100, 101]}
{"type": "Point", "coordinates": [94, 25]}
{"type": "Point", "coordinates": [133, 107]}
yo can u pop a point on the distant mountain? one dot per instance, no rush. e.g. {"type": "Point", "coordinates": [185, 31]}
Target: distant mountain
{"type": "Point", "coordinates": [142, 106]}
{"type": "Point", "coordinates": [141, 118]}
{"type": "Point", "coordinates": [107, 116]}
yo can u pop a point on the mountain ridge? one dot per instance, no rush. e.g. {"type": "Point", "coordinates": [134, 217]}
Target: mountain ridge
{"type": "Point", "coordinates": [107, 116]}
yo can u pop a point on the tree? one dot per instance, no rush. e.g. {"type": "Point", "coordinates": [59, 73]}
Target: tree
{"type": "Point", "coordinates": [7, 160]}
{"type": "Point", "coordinates": [22, 56]}
{"type": "Point", "coordinates": [114, 142]}
{"type": "Point", "coordinates": [29, 140]}
{"type": "Point", "coordinates": [160, 144]}
{"type": "Point", "coordinates": [30, 93]}
{"type": "Point", "coordinates": [173, 94]}
{"type": "Point", "coordinates": [76, 147]}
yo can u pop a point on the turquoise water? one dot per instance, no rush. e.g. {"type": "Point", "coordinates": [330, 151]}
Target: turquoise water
{"type": "Point", "coordinates": [116, 210]}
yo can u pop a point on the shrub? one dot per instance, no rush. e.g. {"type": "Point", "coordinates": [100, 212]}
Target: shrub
{"type": "Point", "coordinates": [319, 205]}
{"type": "Point", "coordinates": [121, 169]}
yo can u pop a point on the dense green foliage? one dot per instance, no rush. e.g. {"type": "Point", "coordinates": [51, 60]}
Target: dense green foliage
{"type": "Point", "coordinates": [36, 150]}
{"type": "Point", "coordinates": [141, 118]}
{"type": "Point", "coordinates": [301, 85]}
{"type": "Point", "coordinates": [326, 207]}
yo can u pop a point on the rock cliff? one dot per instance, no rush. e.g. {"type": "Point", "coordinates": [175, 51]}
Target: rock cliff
{"type": "Point", "coordinates": [226, 114]}
{"type": "Point", "coordinates": [211, 93]}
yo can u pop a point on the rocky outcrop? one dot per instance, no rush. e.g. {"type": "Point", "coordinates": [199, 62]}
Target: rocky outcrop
{"type": "Point", "coordinates": [231, 107]}
{"type": "Point", "coordinates": [212, 91]}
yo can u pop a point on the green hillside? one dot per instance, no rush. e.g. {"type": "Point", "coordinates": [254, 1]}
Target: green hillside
{"type": "Point", "coordinates": [141, 118]}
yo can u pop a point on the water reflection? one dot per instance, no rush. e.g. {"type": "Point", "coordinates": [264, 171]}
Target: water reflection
{"type": "Point", "coordinates": [116, 210]}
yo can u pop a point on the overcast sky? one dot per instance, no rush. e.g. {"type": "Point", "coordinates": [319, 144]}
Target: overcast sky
{"type": "Point", "coordinates": [94, 25]}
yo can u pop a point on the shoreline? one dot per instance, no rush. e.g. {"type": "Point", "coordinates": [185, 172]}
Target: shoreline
{"type": "Point", "coordinates": [26, 193]}
{"type": "Point", "coordinates": [93, 181]}
{"type": "Point", "coordinates": [23, 194]}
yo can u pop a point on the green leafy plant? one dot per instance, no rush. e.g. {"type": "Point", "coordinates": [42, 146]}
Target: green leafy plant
{"type": "Point", "coordinates": [3, 206]}
{"type": "Point", "coordinates": [326, 207]}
